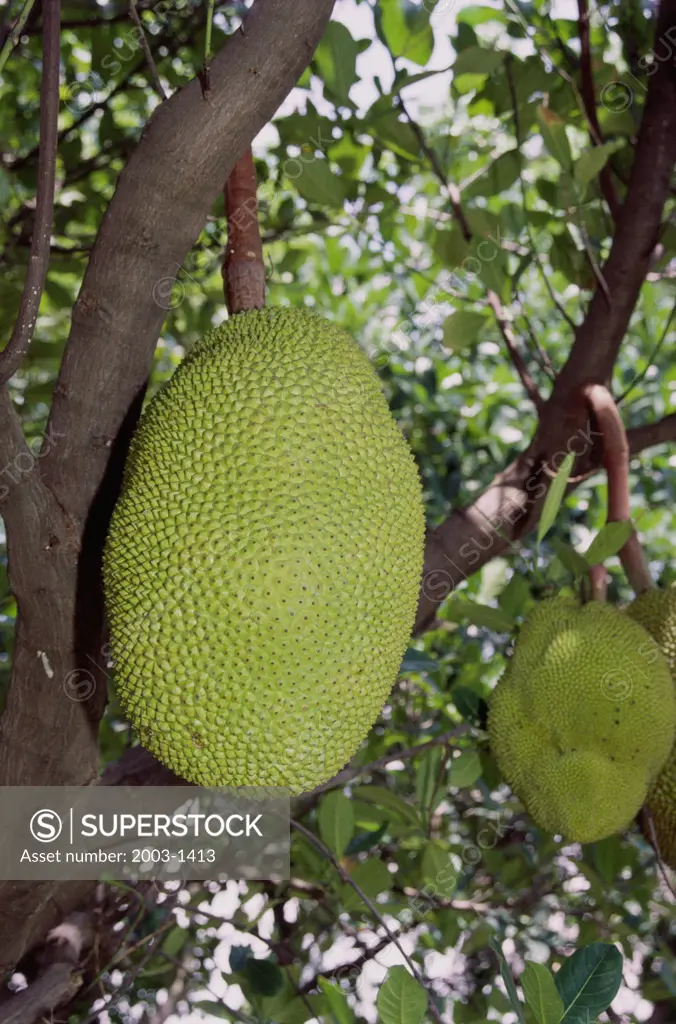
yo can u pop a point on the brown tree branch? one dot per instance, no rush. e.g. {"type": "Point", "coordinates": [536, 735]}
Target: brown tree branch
{"type": "Point", "coordinates": [510, 507]}
{"type": "Point", "coordinates": [352, 968]}
{"type": "Point", "coordinates": [589, 100]}
{"type": "Point", "coordinates": [243, 266]}
{"type": "Point", "coordinates": [49, 728]}
{"type": "Point", "coordinates": [650, 434]}
{"type": "Point", "coordinates": [59, 978]}
{"type": "Point", "coordinates": [17, 346]}
{"type": "Point", "coordinates": [172, 44]}
{"type": "Point", "coordinates": [518, 361]}
{"type": "Point", "coordinates": [114, 328]}
{"type": "Point", "coordinates": [147, 52]}
{"type": "Point", "coordinates": [616, 462]}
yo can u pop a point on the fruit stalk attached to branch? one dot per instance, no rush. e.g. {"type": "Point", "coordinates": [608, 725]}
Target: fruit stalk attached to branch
{"type": "Point", "coordinates": [616, 462]}
{"type": "Point", "coordinates": [243, 266]}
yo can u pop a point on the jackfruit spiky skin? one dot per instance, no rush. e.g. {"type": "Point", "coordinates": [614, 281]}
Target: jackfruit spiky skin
{"type": "Point", "coordinates": [583, 718]}
{"type": "Point", "coordinates": [655, 610]}
{"type": "Point", "coordinates": [263, 563]}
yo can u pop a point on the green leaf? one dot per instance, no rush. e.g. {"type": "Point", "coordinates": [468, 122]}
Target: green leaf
{"type": "Point", "coordinates": [462, 609]}
{"type": "Point", "coordinates": [337, 1002]}
{"type": "Point", "coordinates": [403, 79]}
{"type": "Point", "coordinates": [608, 542]}
{"type": "Point", "coordinates": [372, 877]}
{"type": "Point", "coordinates": [435, 861]}
{"type": "Point", "coordinates": [396, 135]}
{"type": "Point", "coordinates": [299, 1010]}
{"type": "Point", "coordinates": [609, 858]}
{"type": "Point", "coordinates": [515, 596]}
{"type": "Point", "coordinates": [427, 774]}
{"type": "Point", "coordinates": [239, 957]}
{"type": "Point", "coordinates": [588, 982]}
{"type": "Point", "coordinates": [450, 247]}
{"type": "Point", "coordinates": [59, 295]}
{"type": "Point", "coordinates": [570, 559]}
{"type": "Point", "coordinates": [388, 800]}
{"type": "Point", "coordinates": [336, 59]}
{"type": "Point", "coordinates": [498, 176]}
{"type": "Point", "coordinates": [555, 494]}
{"type": "Point", "coordinates": [219, 1010]}
{"type": "Point", "coordinates": [314, 180]}
{"type": "Point", "coordinates": [336, 821]}
{"type": "Point", "coordinates": [480, 15]}
{"type": "Point", "coordinates": [541, 994]}
{"type": "Point", "coordinates": [401, 999]}
{"type": "Point", "coordinates": [5, 187]}
{"type": "Point", "coordinates": [554, 136]}
{"type": "Point", "coordinates": [475, 60]}
{"type": "Point", "coordinates": [508, 979]}
{"type": "Point", "coordinates": [593, 160]}
{"type": "Point", "coordinates": [468, 702]}
{"type": "Point", "coordinates": [462, 329]}
{"type": "Point", "coordinates": [364, 841]}
{"type": "Point", "coordinates": [264, 976]}
{"type": "Point", "coordinates": [405, 29]}
{"type": "Point", "coordinates": [465, 769]}
{"type": "Point", "coordinates": [175, 941]}
{"type": "Point", "coordinates": [417, 661]}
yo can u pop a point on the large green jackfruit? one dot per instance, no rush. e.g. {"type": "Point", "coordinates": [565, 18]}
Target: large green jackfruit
{"type": "Point", "coordinates": [264, 559]}
{"type": "Point", "coordinates": [655, 610]}
{"type": "Point", "coordinates": [583, 718]}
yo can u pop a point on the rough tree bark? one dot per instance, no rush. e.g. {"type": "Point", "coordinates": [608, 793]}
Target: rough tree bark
{"type": "Point", "coordinates": [60, 509]}
{"type": "Point", "coordinates": [56, 515]}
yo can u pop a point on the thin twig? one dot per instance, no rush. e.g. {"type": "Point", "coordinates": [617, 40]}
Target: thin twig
{"type": "Point", "coordinates": [15, 32]}
{"type": "Point", "coordinates": [370, 953]}
{"type": "Point", "coordinates": [353, 772]}
{"type": "Point", "coordinates": [450, 189]}
{"type": "Point", "coordinates": [453, 194]}
{"type": "Point", "coordinates": [243, 266]}
{"type": "Point", "coordinates": [207, 35]}
{"type": "Point", "coordinates": [324, 850]}
{"type": "Point", "coordinates": [540, 354]}
{"type": "Point", "coordinates": [524, 200]}
{"type": "Point", "coordinates": [140, 68]}
{"type": "Point", "coordinates": [653, 355]}
{"type": "Point", "coordinates": [589, 100]}
{"type": "Point", "coordinates": [647, 821]}
{"type": "Point", "coordinates": [152, 948]}
{"type": "Point", "coordinates": [516, 357]}
{"type": "Point", "coordinates": [598, 582]}
{"type": "Point", "coordinates": [152, 67]}
{"type": "Point", "coordinates": [616, 462]}
{"type": "Point", "coordinates": [17, 347]}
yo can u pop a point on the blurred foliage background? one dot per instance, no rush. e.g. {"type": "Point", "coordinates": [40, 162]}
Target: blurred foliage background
{"type": "Point", "coordinates": [400, 98]}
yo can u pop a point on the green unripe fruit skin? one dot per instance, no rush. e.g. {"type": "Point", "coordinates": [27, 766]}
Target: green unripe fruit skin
{"type": "Point", "coordinates": [655, 610]}
{"type": "Point", "coordinates": [263, 562]}
{"type": "Point", "coordinates": [583, 718]}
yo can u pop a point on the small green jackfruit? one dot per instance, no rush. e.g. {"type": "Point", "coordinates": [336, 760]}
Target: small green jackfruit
{"type": "Point", "coordinates": [655, 610]}
{"type": "Point", "coordinates": [264, 559]}
{"type": "Point", "coordinates": [583, 718]}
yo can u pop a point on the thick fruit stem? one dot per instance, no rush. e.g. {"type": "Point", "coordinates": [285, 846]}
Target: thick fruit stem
{"type": "Point", "coordinates": [243, 266]}
{"type": "Point", "coordinates": [616, 462]}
